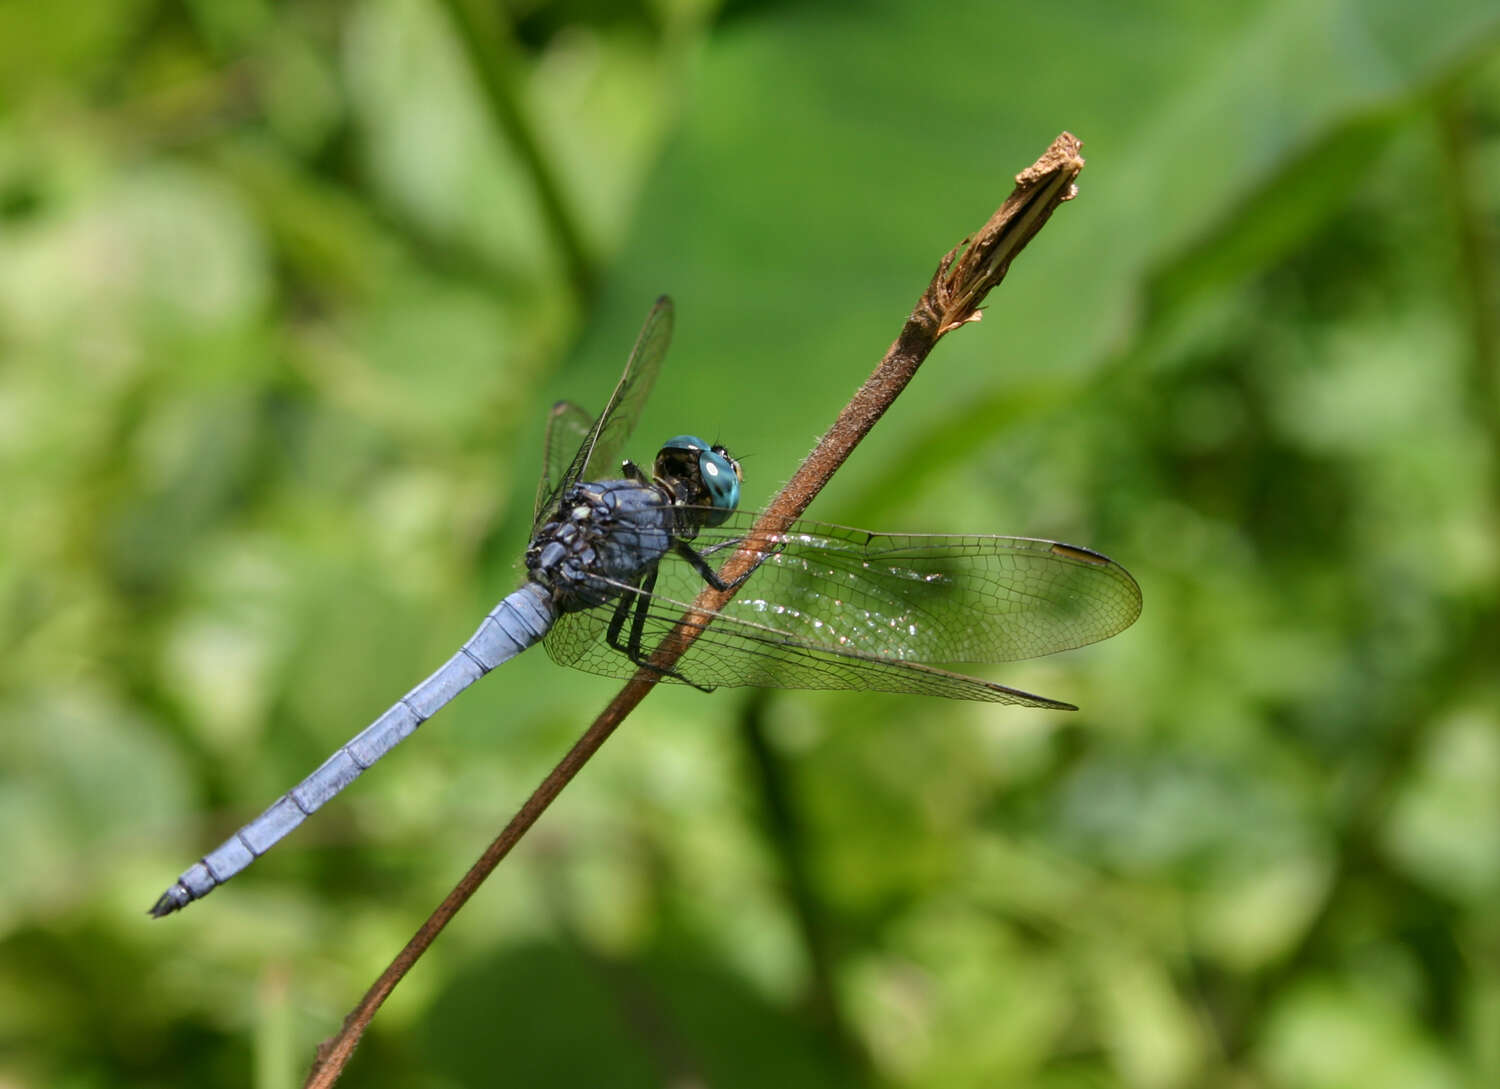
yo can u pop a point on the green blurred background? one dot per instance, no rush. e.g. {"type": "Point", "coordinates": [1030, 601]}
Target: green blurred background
{"type": "Point", "coordinates": [285, 289]}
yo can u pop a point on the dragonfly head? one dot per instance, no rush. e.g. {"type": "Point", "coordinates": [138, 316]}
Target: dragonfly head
{"type": "Point", "coordinates": [699, 475]}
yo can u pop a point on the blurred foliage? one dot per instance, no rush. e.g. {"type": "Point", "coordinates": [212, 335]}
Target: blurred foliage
{"type": "Point", "coordinates": [284, 288]}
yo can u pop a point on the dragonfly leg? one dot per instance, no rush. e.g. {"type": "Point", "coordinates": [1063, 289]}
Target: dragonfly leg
{"type": "Point", "coordinates": [639, 598]}
{"type": "Point", "coordinates": [617, 622]}
{"type": "Point", "coordinates": [638, 622]}
{"type": "Point", "coordinates": [709, 575]}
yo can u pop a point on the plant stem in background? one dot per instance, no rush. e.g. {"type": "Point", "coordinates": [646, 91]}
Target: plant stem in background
{"type": "Point", "coordinates": [494, 62]}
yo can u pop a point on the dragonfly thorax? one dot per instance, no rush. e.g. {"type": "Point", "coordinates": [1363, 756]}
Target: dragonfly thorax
{"type": "Point", "coordinates": [601, 538]}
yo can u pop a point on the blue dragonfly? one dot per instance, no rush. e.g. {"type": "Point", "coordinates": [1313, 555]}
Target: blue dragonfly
{"type": "Point", "coordinates": [615, 560]}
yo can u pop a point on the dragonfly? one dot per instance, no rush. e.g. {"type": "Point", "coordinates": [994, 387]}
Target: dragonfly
{"type": "Point", "coordinates": [618, 554]}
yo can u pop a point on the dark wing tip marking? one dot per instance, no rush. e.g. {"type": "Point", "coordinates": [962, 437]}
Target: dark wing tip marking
{"type": "Point", "coordinates": [1082, 555]}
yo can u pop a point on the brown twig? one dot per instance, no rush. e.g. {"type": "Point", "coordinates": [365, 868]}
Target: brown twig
{"type": "Point", "coordinates": [963, 279]}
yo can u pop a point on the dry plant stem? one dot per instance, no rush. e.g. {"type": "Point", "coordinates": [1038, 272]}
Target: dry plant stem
{"type": "Point", "coordinates": [965, 275]}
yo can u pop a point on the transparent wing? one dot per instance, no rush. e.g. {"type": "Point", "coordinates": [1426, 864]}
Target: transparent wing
{"type": "Point", "coordinates": [834, 607]}
{"type": "Point", "coordinates": [733, 652]}
{"type": "Point", "coordinates": [598, 455]}
{"type": "Point", "coordinates": [923, 597]}
{"type": "Point", "coordinates": [567, 426]}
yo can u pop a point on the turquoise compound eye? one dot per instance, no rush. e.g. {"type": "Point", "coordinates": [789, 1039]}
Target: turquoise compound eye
{"type": "Point", "coordinates": [720, 480]}
{"type": "Point", "coordinates": [716, 474]}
